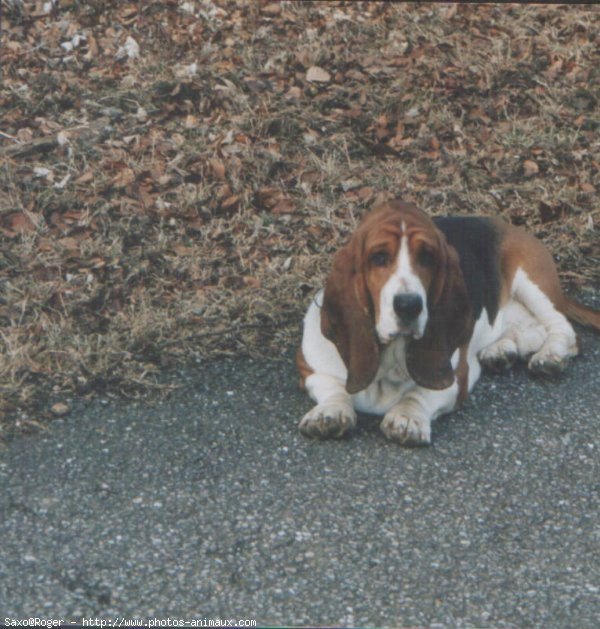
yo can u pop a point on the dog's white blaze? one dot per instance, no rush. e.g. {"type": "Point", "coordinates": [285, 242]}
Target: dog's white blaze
{"type": "Point", "coordinates": [404, 271]}
{"type": "Point", "coordinates": [402, 281]}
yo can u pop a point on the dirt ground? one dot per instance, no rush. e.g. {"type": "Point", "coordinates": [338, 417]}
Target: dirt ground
{"type": "Point", "coordinates": [175, 175]}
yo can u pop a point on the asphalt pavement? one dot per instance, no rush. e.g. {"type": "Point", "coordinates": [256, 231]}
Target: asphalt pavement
{"type": "Point", "coordinates": [211, 505]}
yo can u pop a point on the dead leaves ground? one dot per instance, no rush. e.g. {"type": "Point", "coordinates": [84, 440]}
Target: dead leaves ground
{"type": "Point", "coordinates": [175, 175]}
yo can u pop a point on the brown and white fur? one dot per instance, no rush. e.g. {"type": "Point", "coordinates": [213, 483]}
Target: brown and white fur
{"type": "Point", "coordinates": [413, 307]}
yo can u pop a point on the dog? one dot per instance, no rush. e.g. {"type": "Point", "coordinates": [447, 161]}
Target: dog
{"type": "Point", "coordinates": [414, 306]}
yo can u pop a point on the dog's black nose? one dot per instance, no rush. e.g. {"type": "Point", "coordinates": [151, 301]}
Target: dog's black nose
{"type": "Point", "coordinates": [408, 305]}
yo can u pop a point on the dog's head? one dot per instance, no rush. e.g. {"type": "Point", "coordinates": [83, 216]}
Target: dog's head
{"type": "Point", "coordinates": [397, 276]}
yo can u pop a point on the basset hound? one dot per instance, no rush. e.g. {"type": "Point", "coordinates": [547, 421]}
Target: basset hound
{"type": "Point", "coordinates": [412, 309]}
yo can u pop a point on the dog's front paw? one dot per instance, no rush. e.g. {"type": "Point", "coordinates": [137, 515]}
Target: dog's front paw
{"type": "Point", "coordinates": [328, 420]}
{"type": "Point", "coordinates": [409, 431]}
{"type": "Point", "coordinates": [548, 362]}
{"type": "Point", "coordinates": [500, 356]}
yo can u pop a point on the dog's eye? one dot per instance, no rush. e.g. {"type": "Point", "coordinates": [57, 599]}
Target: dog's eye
{"type": "Point", "coordinates": [426, 257]}
{"type": "Point", "coordinates": [379, 258]}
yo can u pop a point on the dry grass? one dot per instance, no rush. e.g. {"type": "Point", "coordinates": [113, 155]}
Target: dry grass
{"type": "Point", "coordinates": [191, 210]}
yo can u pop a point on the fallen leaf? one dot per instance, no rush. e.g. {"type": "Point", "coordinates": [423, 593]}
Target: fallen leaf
{"type": "Point", "coordinates": [267, 197]}
{"type": "Point", "coordinates": [130, 49]}
{"type": "Point", "coordinates": [251, 282]}
{"type": "Point", "coordinates": [381, 128]}
{"type": "Point", "coordinates": [182, 250]}
{"type": "Point", "coordinates": [92, 47]}
{"type": "Point", "coordinates": [95, 263]}
{"type": "Point", "coordinates": [20, 223]}
{"type": "Point", "coordinates": [293, 93]}
{"type": "Point", "coordinates": [316, 74]}
{"type": "Point", "coordinates": [365, 193]}
{"type": "Point", "coordinates": [530, 168]}
{"type": "Point", "coordinates": [25, 134]}
{"type": "Point", "coordinates": [59, 409]}
{"type": "Point", "coordinates": [62, 137]}
{"type": "Point", "coordinates": [350, 184]}
{"type": "Point", "coordinates": [272, 9]}
{"type": "Point", "coordinates": [554, 69]}
{"type": "Point", "coordinates": [146, 197]}
{"type": "Point", "coordinates": [191, 121]}
{"type": "Point", "coordinates": [41, 171]}
{"type": "Point", "coordinates": [217, 167]}
{"type": "Point", "coordinates": [231, 202]}
{"type": "Point", "coordinates": [450, 12]}
{"type": "Point", "coordinates": [87, 176]}
{"type": "Point", "coordinates": [285, 206]}
{"type": "Point", "coordinates": [141, 114]}
{"type": "Point", "coordinates": [69, 243]}
{"type": "Point", "coordinates": [224, 191]}
{"type": "Point", "coordinates": [124, 178]}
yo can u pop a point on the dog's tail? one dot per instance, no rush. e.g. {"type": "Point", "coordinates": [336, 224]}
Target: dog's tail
{"type": "Point", "coordinates": [580, 314]}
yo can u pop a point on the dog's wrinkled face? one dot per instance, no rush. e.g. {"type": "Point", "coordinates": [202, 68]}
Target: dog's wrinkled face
{"type": "Point", "coordinates": [397, 276]}
{"type": "Point", "coordinates": [400, 258]}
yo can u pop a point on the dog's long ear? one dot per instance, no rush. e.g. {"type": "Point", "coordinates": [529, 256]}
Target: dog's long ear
{"type": "Point", "coordinates": [449, 325]}
{"type": "Point", "coordinates": [347, 317]}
